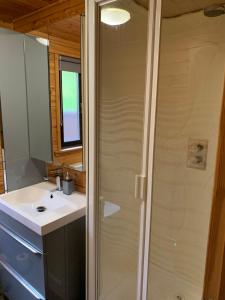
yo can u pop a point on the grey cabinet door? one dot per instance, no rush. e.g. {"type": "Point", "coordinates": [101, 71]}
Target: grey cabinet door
{"type": "Point", "coordinates": [26, 263]}
{"type": "Point", "coordinates": [15, 289]}
{"type": "Point", "coordinates": [38, 95]}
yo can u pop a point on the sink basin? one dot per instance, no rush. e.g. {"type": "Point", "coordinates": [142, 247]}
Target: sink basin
{"type": "Point", "coordinates": [41, 207]}
{"type": "Point", "coordinates": [50, 202]}
{"type": "Point", "coordinates": [30, 198]}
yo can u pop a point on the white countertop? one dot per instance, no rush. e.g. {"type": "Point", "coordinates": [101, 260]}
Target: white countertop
{"type": "Point", "coordinates": [60, 210]}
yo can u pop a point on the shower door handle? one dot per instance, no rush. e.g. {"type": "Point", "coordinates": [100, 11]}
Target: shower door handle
{"type": "Point", "coordinates": [140, 187]}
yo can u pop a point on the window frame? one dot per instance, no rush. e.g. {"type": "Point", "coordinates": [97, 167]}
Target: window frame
{"type": "Point", "coordinates": [77, 143]}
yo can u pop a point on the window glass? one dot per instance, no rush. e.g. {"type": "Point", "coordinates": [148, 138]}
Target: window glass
{"type": "Point", "coordinates": [71, 103]}
{"type": "Point", "coordinates": [71, 133]}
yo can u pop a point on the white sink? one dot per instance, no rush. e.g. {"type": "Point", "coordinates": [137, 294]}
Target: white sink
{"type": "Point", "coordinates": [30, 198]}
{"type": "Point", "coordinates": [58, 209]}
{"type": "Point", "coordinates": [46, 202]}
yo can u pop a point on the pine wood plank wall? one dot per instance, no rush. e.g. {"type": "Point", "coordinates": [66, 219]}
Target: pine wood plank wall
{"type": "Point", "coordinates": [59, 47]}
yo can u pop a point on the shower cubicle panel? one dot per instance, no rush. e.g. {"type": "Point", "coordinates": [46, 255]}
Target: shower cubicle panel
{"type": "Point", "coordinates": [166, 259]}
{"type": "Point", "coordinates": [120, 115]}
{"type": "Point", "coordinates": [189, 98]}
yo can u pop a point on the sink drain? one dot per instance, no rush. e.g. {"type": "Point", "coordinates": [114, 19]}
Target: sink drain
{"type": "Point", "coordinates": [41, 208]}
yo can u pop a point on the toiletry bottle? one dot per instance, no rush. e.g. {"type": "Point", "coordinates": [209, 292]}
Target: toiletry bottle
{"type": "Point", "coordinates": [68, 185]}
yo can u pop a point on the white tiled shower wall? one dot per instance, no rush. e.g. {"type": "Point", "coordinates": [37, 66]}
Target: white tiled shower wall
{"type": "Point", "coordinates": [191, 82]}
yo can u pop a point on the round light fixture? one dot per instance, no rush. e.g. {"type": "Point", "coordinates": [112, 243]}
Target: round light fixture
{"type": "Point", "coordinates": [42, 41]}
{"type": "Point", "coordinates": [114, 16]}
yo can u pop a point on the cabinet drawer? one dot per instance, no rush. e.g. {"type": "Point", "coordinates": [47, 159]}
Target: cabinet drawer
{"type": "Point", "coordinates": [21, 230]}
{"type": "Point", "coordinates": [15, 287]}
{"type": "Point", "coordinates": [26, 260]}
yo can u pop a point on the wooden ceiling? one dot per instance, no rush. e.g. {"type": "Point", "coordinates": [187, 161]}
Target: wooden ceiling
{"type": "Point", "coordinates": [67, 29]}
{"type": "Point", "coordinates": [57, 18]}
{"type": "Point", "coordinates": [13, 9]}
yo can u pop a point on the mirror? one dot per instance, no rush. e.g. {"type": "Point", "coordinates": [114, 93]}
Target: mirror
{"type": "Point", "coordinates": [67, 90]}
{"type": "Point", "coordinates": [38, 96]}
{"type": "Point", "coordinates": [44, 121]}
{"type": "Point", "coordinates": [20, 169]}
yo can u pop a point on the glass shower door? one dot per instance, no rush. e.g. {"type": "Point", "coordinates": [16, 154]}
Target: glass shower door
{"type": "Point", "coordinates": [120, 114]}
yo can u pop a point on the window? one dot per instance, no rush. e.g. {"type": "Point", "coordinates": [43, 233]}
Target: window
{"type": "Point", "coordinates": [70, 90]}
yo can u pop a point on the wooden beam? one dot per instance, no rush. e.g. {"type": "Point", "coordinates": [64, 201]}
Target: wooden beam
{"type": "Point", "coordinates": [49, 14]}
{"type": "Point", "coordinates": [60, 46]}
{"type": "Point", "coordinates": [64, 47]}
{"type": "Point", "coordinates": [6, 25]}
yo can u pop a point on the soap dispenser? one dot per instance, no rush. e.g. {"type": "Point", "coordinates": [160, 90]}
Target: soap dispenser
{"type": "Point", "coordinates": [68, 185]}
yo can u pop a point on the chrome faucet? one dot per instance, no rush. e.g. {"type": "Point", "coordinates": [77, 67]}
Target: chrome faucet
{"type": "Point", "coordinates": [58, 183]}
{"type": "Point", "coordinates": [57, 176]}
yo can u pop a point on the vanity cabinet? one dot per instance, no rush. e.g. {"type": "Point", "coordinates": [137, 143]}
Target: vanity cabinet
{"type": "Point", "coordinates": [42, 267]}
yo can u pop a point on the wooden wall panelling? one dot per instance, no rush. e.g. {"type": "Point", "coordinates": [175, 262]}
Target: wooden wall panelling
{"type": "Point", "coordinates": [58, 104]}
{"type": "Point", "coordinates": [49, 14]}
{"type": "Point", "coordinates": [68, 157]}
{"type": "Point", "coordinates": [67, 29]}
{"type": "Point", "coordinates": [2, 185]}
{"type": "Point", "coordinates": [215, 264]}
{"type": "Point", "coordinates": [55, 50]}
{"type": "Point", "coordinates": [57, 47]}
{"type": "Point", "coordinates": [64, 47]}
{"type": "Point", "coordinates": [53, 101]}
{"type": "Point", "coordinates": [6, 25]}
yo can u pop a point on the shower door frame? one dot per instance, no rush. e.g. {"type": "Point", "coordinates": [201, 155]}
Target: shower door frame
{"type": "Point", "coordinates": [153, 69]}
{"type": "Point", "coordinates": [145, 184]}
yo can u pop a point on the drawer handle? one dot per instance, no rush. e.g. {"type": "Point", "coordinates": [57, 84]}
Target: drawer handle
{"type": "Point", "coordinates": [22, 281]}
{"type": "Point", "coordinates": [20, 240]}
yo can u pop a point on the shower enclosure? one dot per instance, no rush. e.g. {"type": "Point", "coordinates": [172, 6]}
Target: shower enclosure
{"type": "Point", "coordinates": [156, 80]}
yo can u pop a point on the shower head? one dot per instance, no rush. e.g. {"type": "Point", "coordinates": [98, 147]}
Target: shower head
{"type": "Point", "coordinates": [214, 10]}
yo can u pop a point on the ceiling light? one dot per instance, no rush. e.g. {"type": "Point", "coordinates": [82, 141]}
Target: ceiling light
{"type": "Point", "coordinates": [42, 41]}
{"type": "Point", "coordinates": [114, 16]}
